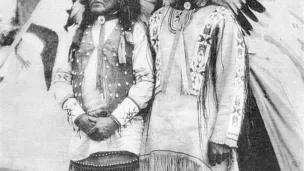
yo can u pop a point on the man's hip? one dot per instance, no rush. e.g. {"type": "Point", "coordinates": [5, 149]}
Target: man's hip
{"type": "Point", "coordinates": [107, 161]}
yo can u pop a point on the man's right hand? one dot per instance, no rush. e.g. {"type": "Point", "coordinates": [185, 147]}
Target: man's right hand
{"type": "Point", "coordinates": [84, 123]}
{"type": "Point", "coordinates": [217, 153]}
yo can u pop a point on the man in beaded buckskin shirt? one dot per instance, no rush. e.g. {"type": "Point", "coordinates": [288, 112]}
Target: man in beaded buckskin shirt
{"type": "Point", "coordinates": [200, 88]}
{"type": "Point", "coordinates": [103, 83]}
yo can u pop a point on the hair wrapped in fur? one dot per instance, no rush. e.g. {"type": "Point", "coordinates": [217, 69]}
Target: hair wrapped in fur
{"type": "Point", "coordinates": [128, 11]}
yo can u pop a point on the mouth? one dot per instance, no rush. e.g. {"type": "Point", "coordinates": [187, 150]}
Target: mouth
{"type": "Point", "coordinates": [96, 3]}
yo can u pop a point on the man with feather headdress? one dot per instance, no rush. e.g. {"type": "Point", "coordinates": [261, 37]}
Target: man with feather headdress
{"type": "Point", "coordinates": [202, 71]}
{"type": "Point", "coordinates": [104, 83]}
{"type": "Point", "coordinates": [201, 77]}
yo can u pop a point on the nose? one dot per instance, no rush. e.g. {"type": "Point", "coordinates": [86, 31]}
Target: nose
{"type": "Point", "coordinates": [94, 1]}
{"type": "Point", "coordinates": [100, 1]}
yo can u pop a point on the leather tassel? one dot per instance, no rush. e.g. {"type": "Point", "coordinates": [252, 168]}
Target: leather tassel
{"type": "Point", "coordinates": [122, 49]}
{"type": "Point", "coordinates": [186, 77]}
{"type": "Point", "coordinates": [129, 37]}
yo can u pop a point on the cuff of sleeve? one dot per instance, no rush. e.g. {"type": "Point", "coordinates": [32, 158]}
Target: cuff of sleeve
{"type": "Point", "coordinates": [63, 101]}
{"type": "Point", "coordinates": [73, 108]}
{"type": "Point", "coordinates": [229, 142]}
{"type": "Point", "coordinates": [125, 111]}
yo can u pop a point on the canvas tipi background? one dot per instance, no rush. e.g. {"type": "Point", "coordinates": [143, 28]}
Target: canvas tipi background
{"type": "Point", "coordinates": [33, 129]}
{"type": "Point", "coordinates": [34, 134]}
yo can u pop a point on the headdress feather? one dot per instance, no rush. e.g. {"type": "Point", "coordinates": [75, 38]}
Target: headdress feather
{"type": "Point", "coordinates": [243, 9]}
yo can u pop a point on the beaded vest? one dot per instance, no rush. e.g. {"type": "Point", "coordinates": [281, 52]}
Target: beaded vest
{"type": "Point", "coordinates": [115, 78]}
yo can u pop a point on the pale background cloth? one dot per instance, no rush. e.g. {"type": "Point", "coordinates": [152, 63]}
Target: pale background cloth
{"type": "Point", "coordinates": [276, 63]}
{"type": "Point", "coordinates": [34, 134]}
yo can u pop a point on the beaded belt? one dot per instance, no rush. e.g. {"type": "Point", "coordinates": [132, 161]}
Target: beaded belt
{"type": "Point", "coordinates": [107, 161]}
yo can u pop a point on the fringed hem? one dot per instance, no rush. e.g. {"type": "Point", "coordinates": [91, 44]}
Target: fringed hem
{"type": "Point", "coordinates": [125, 167]}
{"type": "Point", "coordinates": [171, 161]}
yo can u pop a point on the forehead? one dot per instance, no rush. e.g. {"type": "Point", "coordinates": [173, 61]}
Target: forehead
{"type": "Point", "coordinates": [104, 1]}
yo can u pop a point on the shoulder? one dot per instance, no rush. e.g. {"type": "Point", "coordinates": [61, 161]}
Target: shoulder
{"type": "Point", "coordinates": [157, 15]}
{"type": "Point", "coordinates": [139, 32]}
{"type": "Point", "coordinates": [139, 28]}
{"type": "Point", "coordinates": [216, 13]}
{"type": "Point", "coordinates": [218, 17]}
{"type": "Point", "coordinates": [224, 13]}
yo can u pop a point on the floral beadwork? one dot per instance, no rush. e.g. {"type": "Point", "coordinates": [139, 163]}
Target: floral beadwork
{"type": "Point", "coordinates": [154, 25]}
{"type": "Point", "coordinates": [125, 111]}
{"type": "Point", "coordinates": [197, 70]}
{"type": "Point", "coordinates": [62, 76]}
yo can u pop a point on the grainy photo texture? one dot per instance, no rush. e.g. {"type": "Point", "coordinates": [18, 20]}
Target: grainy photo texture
{"type": "Point", "coordinates": [151, 85]}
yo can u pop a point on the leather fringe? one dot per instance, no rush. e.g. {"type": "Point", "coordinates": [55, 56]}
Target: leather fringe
{"type": "Point", "coordinates": [122, 49]}
{"type": "Point", "coordinates": [165, 161]}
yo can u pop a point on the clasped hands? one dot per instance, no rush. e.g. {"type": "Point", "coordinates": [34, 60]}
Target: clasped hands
{"type": "Point", "coordinates": [97, 129]}
{"type": "Point", "coordinates": [100, 128]}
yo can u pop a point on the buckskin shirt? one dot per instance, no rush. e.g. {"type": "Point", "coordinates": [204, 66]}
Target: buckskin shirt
{"type": "Point", "coordinates": [180, 128]}
{"type": "Point", "coordinates": [111, 71]}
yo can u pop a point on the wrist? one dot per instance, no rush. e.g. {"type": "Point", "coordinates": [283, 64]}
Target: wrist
{"type": "Point", "coordinates": [125, 111]}
{"type": "Point", "coordinates": [115, 120]}
{"type": "Point", "coordinates": [228, 142]}
{"type": "Point", "coordinates": [76, 121]}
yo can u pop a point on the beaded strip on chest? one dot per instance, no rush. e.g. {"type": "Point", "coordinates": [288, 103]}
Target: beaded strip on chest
{"type": "Point", "coordinates": [174, 18]}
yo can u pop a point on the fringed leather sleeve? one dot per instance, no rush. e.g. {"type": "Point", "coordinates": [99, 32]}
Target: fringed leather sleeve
{"type": "Point", "coordinates": [230, 82]}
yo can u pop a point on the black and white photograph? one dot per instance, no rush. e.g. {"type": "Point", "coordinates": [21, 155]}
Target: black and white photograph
{"type": "Point", "coordinates": [151, 85]}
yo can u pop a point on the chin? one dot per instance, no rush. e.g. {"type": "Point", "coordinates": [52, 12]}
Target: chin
{"type": "Point", "coordinates": [97, 10]}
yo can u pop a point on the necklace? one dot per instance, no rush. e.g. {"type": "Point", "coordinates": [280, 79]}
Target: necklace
{"type": "Point", "coordinates": [174, 18]}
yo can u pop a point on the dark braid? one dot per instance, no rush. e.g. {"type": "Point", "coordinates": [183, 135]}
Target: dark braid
{"type": "Point", "coordinates": [128, 12]}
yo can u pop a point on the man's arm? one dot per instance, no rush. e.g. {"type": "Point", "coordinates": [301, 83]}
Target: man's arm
{"type": "Point", "coordinates": [231, 83]}
{"type": "Point", "coordinates": [141, 92]}
{"type": "Point", "coordinates": [62, 78]}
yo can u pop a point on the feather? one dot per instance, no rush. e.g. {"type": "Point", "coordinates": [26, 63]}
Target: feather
{"type": "Point", "coordinates": [245, 24]}
{"type": "Point", "coordinates": [256, 6]}
{"type": "Point", "coordinates": [75, 14]}
{"type": "Point", "coordinates": [147, 7]}
{"type": "Point", "coordinates": [131, 10]}
{"type": "Point", "coordinates": [242, 10]}
{"type": "Point", "coordinates": [246, 10]}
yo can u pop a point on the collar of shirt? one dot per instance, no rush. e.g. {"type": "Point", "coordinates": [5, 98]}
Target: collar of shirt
{"type": "Point", "coordinates": [108, 26]}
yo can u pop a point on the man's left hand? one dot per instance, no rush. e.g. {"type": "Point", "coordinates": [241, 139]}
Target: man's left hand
{"type": "Point", "coordinates": [104, 128]}
{"type": "Point", "coordinates": [217, 153]}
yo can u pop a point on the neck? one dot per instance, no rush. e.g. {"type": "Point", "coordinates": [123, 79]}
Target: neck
{"type": "Point", "coordinates": [106, 16]}
{"type": "Point", "coordinates": [108, 12]}
{"type": "Point", "coordinates": [179, 4]}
